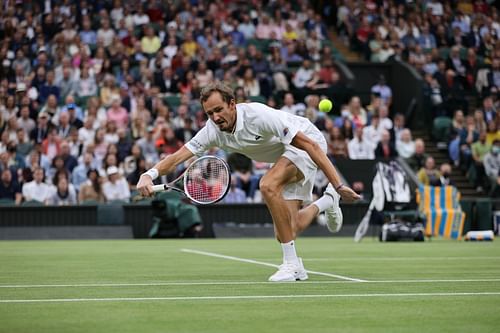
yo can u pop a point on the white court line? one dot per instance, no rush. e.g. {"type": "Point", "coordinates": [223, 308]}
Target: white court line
{"type": "Point", "coordinates": [250, 261]}
{"type": "Point", "coordinates": [243, 297]}
{"type": "Point", "coordinates": [223, 283]}
{"type": "Point", "coordinates": [396, 258]}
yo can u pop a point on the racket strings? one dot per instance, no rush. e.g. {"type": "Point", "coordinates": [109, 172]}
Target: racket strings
{"type": "Point", "coordinates": [207, 180]}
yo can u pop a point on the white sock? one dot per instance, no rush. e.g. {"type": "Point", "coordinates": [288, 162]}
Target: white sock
{"type": "Point", "coordinates": [323, 203]}
{"type": "Point", "coordinates": [289, 254]}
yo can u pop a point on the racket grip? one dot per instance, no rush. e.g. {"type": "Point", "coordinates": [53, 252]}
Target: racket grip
{"type": "Point", "coordinates": [159, 188]}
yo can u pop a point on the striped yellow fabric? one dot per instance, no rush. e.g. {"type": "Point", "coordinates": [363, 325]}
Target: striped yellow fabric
{"type": "Point", "coordinates": [441, 206]}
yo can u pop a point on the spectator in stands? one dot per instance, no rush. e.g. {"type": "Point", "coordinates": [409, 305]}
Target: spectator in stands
{"type": "Point", "coordinates": [139, 168]}
{"type": "Point", "coordinates": [9, 189]}
{"type": "Point", "coordinates": [467, 136]}
{"type": "Point", "coordinates": [11, 128]}
{"type": "Point", "coordinates": [491, 164]}
{"type": "Point", "coordinates": [56, 168]}
{"type": "Point", "coordinates": [453, 91]}
{"type": "Point", "coordinates": [385, 121]}
{"type": "Point", "coordinates": [358, 114]}
{"type": "Point", "coordinates": [150, 43]}
{"type": "Point", "coordinates": [167, 143]}
{"type": "Point", "coordinates": [91, 190]}
{"type": "Point", "coordinates": [405, 146]}
{"type": "Point", "coordinates": [86, 85]}
{"type": "Point", "coordinates": [48, 88]}
{"type": "Point", "coordinates": [130, 161]}
{"type": "Point", "coordinates": [246, 27]}
{"type": "Point", "coordinates": [383, 90]}
{"type": "Point", "coordinates": [117, 114]}
{"type": "Point", "coordinates": [79, 174]}
{"type": "Point", "coordinates": [373, 132]}
{"type": "Point", "coordinates": [64, 195]}
{"type": "Point", "coordinates": [479, 150]}
{"type": "Point", "coordinates": [87, 132]}
{"type": "Point", "coordinates": [25, 122]}
{"type": "Point", "coordinates": [291, 107]}
{"type": "Point", "coordinates": [337, 144]}
{"type": "Point", "coordinates": [23, 147]}
{"type": "Point", "coordinates": [70, 162]}
{"type": "Point", "coordinates": [347, 129]}
{"type": "Point", "coordinates": [116, 187]}
{"type": "Point", "coordinates": [37, 190]}
{"type": "Point", "coordinates": [235, 194]}
{"type": "Point", "coordinates": [306, 76]}
{"type": "Point", "coordinates": [111, 136]}
{"type": "Point", "coordinates": [429, 175]}
{"type": "Point", "coordinates": [328, 75]}
{"type": "Point", "coordinates": [398, 127]}
{"type": "Point", "coordinates": [249, 83]}
{"type": "Point", "coordinates": [489, 111]}
{"type": "Point", "coordinates": [15, 160]}
{"type": "Point", "coordinates": [148, 146]}
{"type": "Point", "coordinates": [279, 70]}
{"type": "Point", "coordinates": [417, 160]}
{"type": "Point", "coordinates": [51, 145]}
{"type": "Point", "coordinates": [493, 132]}
{"type": "Point", "coordinates": [385, 148]}
{"type": "Point", "coordinates": [51, 107]}
{"type": "Point", "coordinates": [445, 175]}
{"type": "Point", "coordinates": [360, 149]}
{"type": "Point", "coordinates": [479, 121]}
{"type": "Point", "coordinates": [242, 168]}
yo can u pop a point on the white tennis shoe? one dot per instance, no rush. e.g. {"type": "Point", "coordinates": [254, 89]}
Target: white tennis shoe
{"type": "Point", "coordinates": [290, 272]}
{"type": "Point", "coordinates": [333, 214]}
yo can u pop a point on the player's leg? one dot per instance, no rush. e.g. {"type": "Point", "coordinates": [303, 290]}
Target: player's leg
{"type": "Point", "coordinates": [284, 214]}
{"type": "Point", "coordinates": [305, 216]}
{"type": "Point", "coordinates": [271, 186]}
{"type": "Point", "coordinates": [327, 204]}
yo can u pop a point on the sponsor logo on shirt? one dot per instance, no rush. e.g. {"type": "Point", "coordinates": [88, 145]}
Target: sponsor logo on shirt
{"type": "Point", "coordinates": [285, 131]}
{"type": "Point", "coordinates": [196, 144]}
{"type": "Point", "coordinates": [257, 137]}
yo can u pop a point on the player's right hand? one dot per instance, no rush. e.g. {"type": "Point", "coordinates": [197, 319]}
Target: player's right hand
{"type": "Point", "coordinates": [145, 186]}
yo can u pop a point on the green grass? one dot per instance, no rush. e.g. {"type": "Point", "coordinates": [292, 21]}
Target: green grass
{"type": "Point", "coordinates": [417, 300]}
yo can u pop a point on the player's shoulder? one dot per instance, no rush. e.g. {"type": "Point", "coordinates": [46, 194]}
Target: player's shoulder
{"type": "Point", "coordinates": [255, 111]}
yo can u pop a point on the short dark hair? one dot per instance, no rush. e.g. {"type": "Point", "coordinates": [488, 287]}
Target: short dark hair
{"type": "Point", "coordinates": [223, 89]}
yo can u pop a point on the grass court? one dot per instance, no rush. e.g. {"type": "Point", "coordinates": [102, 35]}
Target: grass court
{"type": "Point", "coordinates": [220, 285]}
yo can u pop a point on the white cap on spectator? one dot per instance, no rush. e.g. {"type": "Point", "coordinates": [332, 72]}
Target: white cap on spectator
{"type": "Point", "coordinates": [172, 25]}
{"type": "Point", "coordinates": [43, 114]}
{"type": "Point", "coordinates": [33, 93]}
{"type": "Point", "coordinates": [21, 86]}
{"type": "Point", "coordinates": [112, 170]}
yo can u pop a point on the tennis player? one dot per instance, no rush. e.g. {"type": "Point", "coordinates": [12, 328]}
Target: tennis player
{"type": "Point", "coordinates": [295, 146]}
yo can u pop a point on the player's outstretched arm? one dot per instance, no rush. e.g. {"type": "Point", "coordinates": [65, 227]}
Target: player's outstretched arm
{"type": "Point", "coordinates": [303, 142]}
{"type": "Point", "coordinates": [165, 166]}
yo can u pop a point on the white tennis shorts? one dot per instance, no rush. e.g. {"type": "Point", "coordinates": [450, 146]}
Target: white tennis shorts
{"type": "Point", "coordinates": [302, 190]}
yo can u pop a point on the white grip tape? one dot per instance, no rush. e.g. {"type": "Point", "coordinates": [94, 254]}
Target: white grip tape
{"type": "Point", "coordinates": [159, 188]}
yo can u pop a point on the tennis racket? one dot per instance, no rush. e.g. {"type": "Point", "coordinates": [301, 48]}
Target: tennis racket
{"type": "Point", "coordinates": [205, 181]}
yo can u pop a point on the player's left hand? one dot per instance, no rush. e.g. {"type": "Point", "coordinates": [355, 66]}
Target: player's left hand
{"type": "Point", "coordinates": [348, 194]}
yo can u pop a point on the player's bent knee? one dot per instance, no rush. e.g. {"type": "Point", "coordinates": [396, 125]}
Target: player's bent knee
{"type": "Point", "coordinates": [268, 189]}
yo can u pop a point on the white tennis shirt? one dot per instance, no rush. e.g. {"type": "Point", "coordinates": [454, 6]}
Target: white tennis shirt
{"type": "Point", "coordinates": [261, 133]}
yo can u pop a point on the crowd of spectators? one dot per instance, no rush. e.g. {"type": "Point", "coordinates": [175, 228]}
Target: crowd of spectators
{"type": "Point", "coordinates": [93, 93]}
{"type": "Point", "coordinates": [455, 46]}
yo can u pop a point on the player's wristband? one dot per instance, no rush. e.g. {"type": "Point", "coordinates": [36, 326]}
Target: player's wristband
{"type": "Point", "coordinates": [153, 173]}
{"type": "Point", "coordinates": [339, 187]}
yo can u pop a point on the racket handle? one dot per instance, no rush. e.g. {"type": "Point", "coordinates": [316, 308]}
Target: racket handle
{"type": "Point", "coordinates": [159, 188]}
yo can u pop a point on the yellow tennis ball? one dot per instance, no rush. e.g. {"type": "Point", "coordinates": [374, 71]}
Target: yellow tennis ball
{"type": "Point", "coordinates": [325, 105]}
